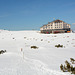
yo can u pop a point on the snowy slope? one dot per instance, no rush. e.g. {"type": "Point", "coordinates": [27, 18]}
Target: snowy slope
{"type": "Point", "coordinates": [45, 60]}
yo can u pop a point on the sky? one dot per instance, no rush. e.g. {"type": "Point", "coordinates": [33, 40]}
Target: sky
{"type": "Point", "coordinates": [32, 14]}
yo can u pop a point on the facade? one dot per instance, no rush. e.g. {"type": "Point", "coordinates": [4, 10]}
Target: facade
{"type": "Point", "coordinates": [56, 26]}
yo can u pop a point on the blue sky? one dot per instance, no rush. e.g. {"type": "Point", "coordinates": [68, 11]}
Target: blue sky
{"type": "Point", "coordinates": [32, 14]}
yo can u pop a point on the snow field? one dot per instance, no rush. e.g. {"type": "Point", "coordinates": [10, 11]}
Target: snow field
{"type": "Point", "coordinates": [45, 60]}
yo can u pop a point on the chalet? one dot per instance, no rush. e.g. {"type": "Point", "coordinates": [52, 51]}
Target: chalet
{"type": "Point", "coordinates": [56, 26]}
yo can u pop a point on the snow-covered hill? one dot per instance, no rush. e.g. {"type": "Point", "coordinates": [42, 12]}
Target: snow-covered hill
{"type": "Point", "coordinates": [20, 59]}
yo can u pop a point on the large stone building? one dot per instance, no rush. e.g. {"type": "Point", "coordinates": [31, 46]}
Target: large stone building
{"type": "Point", "coordinates": [56, 26]}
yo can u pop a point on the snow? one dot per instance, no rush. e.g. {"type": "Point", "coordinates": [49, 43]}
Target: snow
{"type": "Point", "coordinates": [45, 60]}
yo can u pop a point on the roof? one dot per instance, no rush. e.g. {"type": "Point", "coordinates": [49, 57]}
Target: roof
{"type": "Point", "coordinates": [58, 21]}
{"type": "Point", "coordinates": [55, 21]}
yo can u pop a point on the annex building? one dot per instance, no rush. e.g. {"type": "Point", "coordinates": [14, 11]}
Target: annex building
{"type": "Point", "coordinates": [56, 26]}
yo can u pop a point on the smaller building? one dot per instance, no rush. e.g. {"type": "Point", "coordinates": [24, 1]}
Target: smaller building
{"type": "Point", "coordinates": [56, 26]}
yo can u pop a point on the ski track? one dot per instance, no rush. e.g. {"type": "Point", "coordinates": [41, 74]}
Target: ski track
{"type": "Point", "coordinates": [40, 66]}
{"type": "Point", "coordinates": [37, 65]}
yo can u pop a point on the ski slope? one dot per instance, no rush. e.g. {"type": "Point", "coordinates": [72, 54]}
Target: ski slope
{"type": "Point", "coordinates": [20, 59]}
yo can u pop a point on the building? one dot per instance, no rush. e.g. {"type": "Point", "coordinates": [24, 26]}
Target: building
{"type": "Point", "coordinates": [56, 26]}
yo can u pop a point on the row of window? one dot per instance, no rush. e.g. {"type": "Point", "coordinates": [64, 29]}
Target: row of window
{"type": "Point", "coordinates": [55, 27]}
{"type": "Point", "coordinates": [49, 25]}
{"type": "Point", "coordinates": [58, 27]}
{"type": "Point", "coordinates": [58, 22]}
{"type": "Point", "coordinates": [66, 26]}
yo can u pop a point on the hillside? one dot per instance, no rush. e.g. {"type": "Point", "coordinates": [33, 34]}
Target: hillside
{"type": "Point", "coordinates": [21, 59]}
